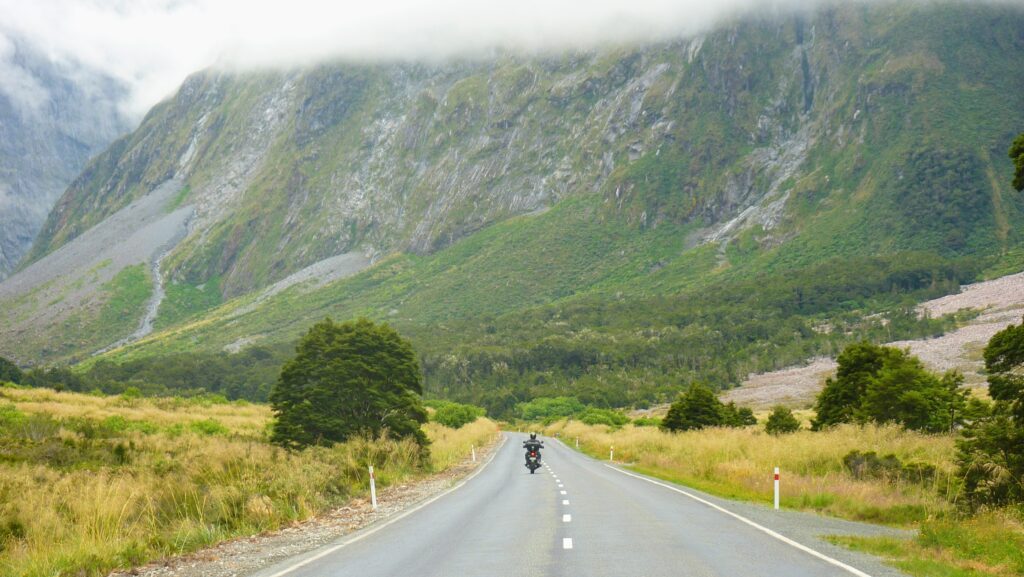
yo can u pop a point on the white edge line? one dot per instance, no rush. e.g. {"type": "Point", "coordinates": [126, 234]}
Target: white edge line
{"type": "Point", "coordinates": [762, 528]}
{"type": "Point", "coordinates": [391, 521]}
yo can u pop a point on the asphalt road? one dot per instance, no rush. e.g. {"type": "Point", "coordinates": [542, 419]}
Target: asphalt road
{"type": "Point", "coordinates": [578, 516]}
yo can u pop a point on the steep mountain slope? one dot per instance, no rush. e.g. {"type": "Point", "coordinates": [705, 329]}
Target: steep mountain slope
{"type": "Point", "coordinates": [53, 119]}
{"type": "Point", "coordinates": [766, 146]}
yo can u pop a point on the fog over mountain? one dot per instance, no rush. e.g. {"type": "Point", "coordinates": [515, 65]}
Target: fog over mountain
{"type": "Point", "coordinates": [54, 117]}
{"type": "Point", "coordinates": [152, 45]}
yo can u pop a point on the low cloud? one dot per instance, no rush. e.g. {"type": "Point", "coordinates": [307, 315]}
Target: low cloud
{"type": "Point", "coordinates": [151, 45]}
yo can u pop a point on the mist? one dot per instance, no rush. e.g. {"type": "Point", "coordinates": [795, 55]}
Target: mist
{"type": "Point", "coordinates": [150, 46]}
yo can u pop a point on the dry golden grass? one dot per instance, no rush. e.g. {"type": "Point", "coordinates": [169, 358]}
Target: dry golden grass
{"type": "Point", "coordinates": [450, 446]}
{"type": "Point", "coordinates": [739, 463]}
{"type": "Point", "coordinates": [239, 417]}
{"type": "Point", "coordinates": [68, 508]}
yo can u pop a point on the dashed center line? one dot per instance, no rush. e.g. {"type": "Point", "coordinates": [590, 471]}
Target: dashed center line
{"type": "Point", "coordinates": [565, 501]}
{"type": "Point", "coordinates": [567, 543]}
{"type": "Point", "coordinates": [566, 518]}
{"type": "Point", "coordinates": [564, 493]}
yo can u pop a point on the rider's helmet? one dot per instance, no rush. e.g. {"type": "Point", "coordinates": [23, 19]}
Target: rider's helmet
{"type": "Point", "coordinates": [533, 436]}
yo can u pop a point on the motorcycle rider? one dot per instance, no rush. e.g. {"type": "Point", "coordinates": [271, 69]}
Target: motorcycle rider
{"type": "Point", "coordinates": [533, 444]}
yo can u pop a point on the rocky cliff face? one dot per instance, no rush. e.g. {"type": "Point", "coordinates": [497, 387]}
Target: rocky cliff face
{"type": "Point", "coordinates": [53, 119]}
{"type": "Point", "coordinates": [856, 129]}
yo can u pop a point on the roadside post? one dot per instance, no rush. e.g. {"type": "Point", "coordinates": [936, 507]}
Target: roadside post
{"type": "Point", "coordinates": [473, 449]}
{"type": "Point", "coordinates": [611, 454]}
{"type": "Point", "coordinates": [776, 488]}
{"type": "Point", "coordinates": [373, 489]}
{"type": "Point", "coordinates": [577, 442]}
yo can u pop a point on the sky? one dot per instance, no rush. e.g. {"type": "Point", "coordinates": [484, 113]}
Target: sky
{"type": "Point", "coordinates": [150, 46]}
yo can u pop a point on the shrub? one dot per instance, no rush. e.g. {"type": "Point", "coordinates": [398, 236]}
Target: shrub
{"type": "Point", "coordinates": [888, 468]}
{"type": "Point", "coordinates": [455, 415]}
{"type": "Point", "coordinates": [991, 454]}
{"type": "Point", "coordinates": [10, 372]}
{"type": "Point", "coordinates": [543, 408]}
{"type": "Point", "coordinates": [699, 408]}
{"type": "Point", "coordinates": [888, 385]}
{"type": "Point", "coordinates": [208, 427]}
{"type": "Point", "coordinates": [596, 416]}
{"type": "Point", "coordinates": [647, 422]}
{"type": "Point", "coordinates": [781, 421]}
{"type": "Point", "coordinates": [132, 393]}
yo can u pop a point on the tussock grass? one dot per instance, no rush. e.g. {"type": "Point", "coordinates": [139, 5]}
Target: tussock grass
{"type": "Point", "coordinates": [154, 477]}
{"type": "Point", "coordinates": [450, 446]}
{"type": "Point", "coordinates": [738, 463]}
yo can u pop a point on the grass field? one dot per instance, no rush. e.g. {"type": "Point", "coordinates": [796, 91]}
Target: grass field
{"type": "Point", "coordinates": [738, 463]}
{"type": "Point", "coordinates": [90, 483]}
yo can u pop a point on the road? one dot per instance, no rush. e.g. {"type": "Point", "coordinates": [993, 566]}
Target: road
{"type": "Point", "coordinates": [576, 517]}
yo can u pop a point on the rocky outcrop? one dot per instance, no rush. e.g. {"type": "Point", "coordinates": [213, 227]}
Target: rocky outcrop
{"type": "Point", "coordinates": [53, 119]}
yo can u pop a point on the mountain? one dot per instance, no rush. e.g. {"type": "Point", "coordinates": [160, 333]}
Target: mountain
{"type": "Point", "coordinates": [621, 219]}
{"type": "Point", "coordinates": [54, 117]}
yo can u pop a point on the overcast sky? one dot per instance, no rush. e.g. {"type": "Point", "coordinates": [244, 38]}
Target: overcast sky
{"type": "Point", "coordinates": [151, 45]}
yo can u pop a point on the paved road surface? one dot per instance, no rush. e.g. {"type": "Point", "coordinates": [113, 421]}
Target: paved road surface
{"type": "Point", "coordinates": [577, 517]}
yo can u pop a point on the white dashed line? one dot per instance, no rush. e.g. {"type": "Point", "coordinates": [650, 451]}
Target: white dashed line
{"type": "Point", "coordinates": [563, 492]}
{"type": "Point", "coordinates": [566, 518]}
{"type": "Point", "coordinates": [565, 501]}
{"type": "Point", "coordinates": [567, 543]}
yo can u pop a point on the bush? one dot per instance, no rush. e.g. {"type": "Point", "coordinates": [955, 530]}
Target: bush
{"type": "Point", "coordinates": [455, 415]}
{"type": "Point", "coordinates": [991, 454]}
{"type": "Point", "coordinates": [10, 372]}
{"type": "Point", "coordinates": [781, 421]}
{"type": "Point", "coordinates": [543, 408]}
{"type": "Point", "coordinates": [888, 385]}
{"type": "Point", "coordinates": [595, 416]}
{"type": "Point", "coordinates": [647, 422]}
{"type": "Point", "coordinates": [889, 468]}
{"type": "Point", "coordinates": [208, 427]}
{"type": "Point", "coordinates": [696, 409]}
{"type": "Point", "coordinates": [733, 416]}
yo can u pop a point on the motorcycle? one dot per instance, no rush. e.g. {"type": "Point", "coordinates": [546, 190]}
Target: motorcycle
{"type": "Point", "coordinates": [533, 460]}
{"type": "Point", "coordinates": [533, 447]}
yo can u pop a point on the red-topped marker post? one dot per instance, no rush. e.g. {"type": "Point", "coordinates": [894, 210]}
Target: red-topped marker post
{"type": "Point", "coordinates": [776, 488]}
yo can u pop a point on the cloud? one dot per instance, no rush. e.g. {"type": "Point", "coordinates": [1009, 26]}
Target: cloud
{"type": "Point", "coordinates": [151, 45]}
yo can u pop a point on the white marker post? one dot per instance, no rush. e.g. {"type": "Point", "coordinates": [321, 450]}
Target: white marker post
{"type": "Point", "coordinates": [473, 448]}
{"type": "Point", "coordinates": [776, 488]}
{"type": "Point", "coordinates": [373, 489]}
{"type": "Point", "coordinates": [611, 454]}
{"type": "Point", "coordinates": [577, 442]}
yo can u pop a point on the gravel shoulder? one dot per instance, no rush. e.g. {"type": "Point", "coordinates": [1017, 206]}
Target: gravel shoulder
{"type": "Point", "coordinates": [248, 555]}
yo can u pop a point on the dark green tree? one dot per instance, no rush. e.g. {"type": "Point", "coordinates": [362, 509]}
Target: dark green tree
{"type": "Point", "coordinates": [10, 372]}
{"type": "Point", "coordinates": [455, 415]}
{"type": "Point", "coordinates": [733, 416]}
{"type": "Point", "coordinates": [991, 453]}
{"type": "Point", "coordinates": [781, 421]}
{"type": "Point", "coordinates": [887, 385]}
{"type": "Point", "coordinates": [843, 395]}
{"type": "Point", "coordinates": [1017, 154]}
{"type": "Point", "coordinates": [695, 409]}
{"type": "Point", "coordinates": [348, 379]}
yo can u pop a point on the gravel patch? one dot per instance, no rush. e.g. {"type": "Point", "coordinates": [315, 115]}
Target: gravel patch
{"type": "Point", "coordinates": [1001, 302]}
{"type": "Point", "coordinates": [248, 555]}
